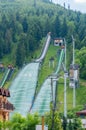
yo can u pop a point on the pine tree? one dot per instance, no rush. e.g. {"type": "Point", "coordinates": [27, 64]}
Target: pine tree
{"type": "Point", "coordinates": [57, 27]}
{"type": "Point", "coordinates": [25, 25]}
{"type": "Point", "coordinates": [64, 124]}
{"type": "Point", "coordinates": [64, 29]}
{"type": "Point", "coordinates": [20, 52]}
{"type": "Point", "coordinates": [70, 126]}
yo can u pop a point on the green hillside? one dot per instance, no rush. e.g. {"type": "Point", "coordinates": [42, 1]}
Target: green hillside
{"type": "Point", "coordinates": [23, 28]}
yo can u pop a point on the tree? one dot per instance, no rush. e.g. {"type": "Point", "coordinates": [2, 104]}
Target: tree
{"type": "Point", "coordinates": [64, 123]}
{"type": "Point", "coordinates": [20, 52]}
{"type": "Point", "coordinates": [7, 125]}
{"type": "Point", "coordinates": [57, 121]}
{"type": "Point", "coordinates": [46, 26]}
{"type": "Point", "coordinates": [64, 29]}
{"type": "Point", "coordinates": [70, 126]}
{"type": "Point", "coordinates": [80, 59]}
{"type": "Point", "coordinates": [77, 124]}
{"type": "Point", "coordinates": [19, 56]}
{"type": "Point", "coordinates": [18, 122]}
{"type": "Point", "coordinates": [83, 43]}
{"type": "Point", "coordinates": [25, 25]}
{"type": "Point", "coordinates": [71, 28]}
{"type": "Point", "coordinates": [0, 125]}
{"type": "Point", "coordinates": [32, 42]}
{"type": "Point", "coordinates": [1, 47]}
{"type": "Point", "coordinates": [8, 41]}
{"type": "Point", "coordinates": [31, 121]}
{"type": "Point", "coordinates": [57, 27]}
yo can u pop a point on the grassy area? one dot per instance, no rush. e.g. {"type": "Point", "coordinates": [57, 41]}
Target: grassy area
{"type": "Point", "coordinates": [80, 92]}
{"type": "Point", "coordinates": [1, 75]}
{"type": "Point", "coordinates": [80, 96]}
{"type": "Point", "coordinates": [46, 70]}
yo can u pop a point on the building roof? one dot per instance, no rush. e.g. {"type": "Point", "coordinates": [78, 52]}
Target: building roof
{"type": "Point", "coordinates": [9, 106]}
{"type": "Point", "coordinates": [83, 112]}
{"type": "Point", "coordinates": [58, 38]}
{"type": "Point", "coordinates": [4, 92]}
{"type": "Point", "coordinates": [5, 106]}
{"type": "Point", "coordinates": [76, 66]}
{"type": "Point", "coordinates": [51, 59]}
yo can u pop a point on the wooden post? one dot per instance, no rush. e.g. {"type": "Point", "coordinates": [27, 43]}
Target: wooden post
{"type": "Point", "coordinates": [42, 122]}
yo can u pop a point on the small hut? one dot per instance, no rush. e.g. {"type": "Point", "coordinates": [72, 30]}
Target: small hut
{"type": "Point", "coordinates": [58, 42]}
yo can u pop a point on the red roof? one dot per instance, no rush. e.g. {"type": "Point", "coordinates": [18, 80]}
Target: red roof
{"type": "Point", "coordinates": [83, 112]}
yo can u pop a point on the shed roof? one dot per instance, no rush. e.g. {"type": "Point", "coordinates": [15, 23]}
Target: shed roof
{"type": "Point", "coordinates": [83, 112]}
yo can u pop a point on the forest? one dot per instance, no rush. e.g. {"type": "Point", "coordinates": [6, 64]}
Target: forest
{"type": "Point", "coordinates": [24, 23]}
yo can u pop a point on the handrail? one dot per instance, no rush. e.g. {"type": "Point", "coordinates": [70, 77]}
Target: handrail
{"type": "Point", "coordinates": [45, 49]}
{"type": "Point", "coordinates": [4, 77]}
{"type": "Point", "coordinates": [60, 61]}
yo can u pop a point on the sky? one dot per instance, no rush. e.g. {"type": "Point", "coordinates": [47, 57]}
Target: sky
{"type": "Point", "coordinates": [79, 5]}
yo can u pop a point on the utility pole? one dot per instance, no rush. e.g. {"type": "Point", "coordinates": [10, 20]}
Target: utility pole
{"type": "Point", "coordinates": [65, 85]}
{"type": "Point", "coordinates": [74, 89]}
{"type": "Point", "coordinates": [52, 89]}
{"type": "Point", "coordinates": [53, 100]}
{"type": "Point", "coordinates": [42, 122]}
{"type": "Point", "coordinates": [52, 127]}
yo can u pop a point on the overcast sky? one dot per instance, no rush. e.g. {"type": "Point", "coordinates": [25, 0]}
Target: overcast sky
{"type": "Point", "coordinates": [79, 5]}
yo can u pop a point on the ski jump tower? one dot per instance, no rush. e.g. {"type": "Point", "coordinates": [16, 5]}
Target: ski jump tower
{"type": "Point", "coordinates": [74, 70]}
{"type": "Point", "coordinates": [74, 75]}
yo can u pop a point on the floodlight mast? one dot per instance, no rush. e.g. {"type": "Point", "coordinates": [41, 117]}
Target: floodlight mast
{"type": "Point", "coordinates": [74, 91]}
{"type": "Point", "coordinates": [65, 83]}
{"type": "Point", "coordinates": [53, 79]}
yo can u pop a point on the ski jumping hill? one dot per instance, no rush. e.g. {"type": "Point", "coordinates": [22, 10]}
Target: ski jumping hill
{"type": "Point", "coordinates": [23, 87]}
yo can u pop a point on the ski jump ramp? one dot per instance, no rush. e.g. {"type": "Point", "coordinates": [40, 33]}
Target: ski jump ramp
{"type": "Point", "coordinates": [44, 97]}
{"type": "Point", "coordinates": [23, 87]}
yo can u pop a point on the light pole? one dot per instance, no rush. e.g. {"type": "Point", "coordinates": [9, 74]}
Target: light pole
{"type": "Point", "coordinates": [65, 85]}
{"type": "Point", "coordinates": [53, 79]}
{"type": "Point", "coordinates": [74, 91]}
{"type": "Point", "coordinates": [42, 122]}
